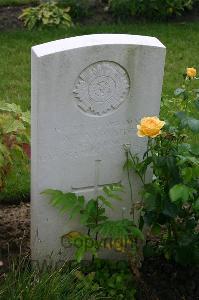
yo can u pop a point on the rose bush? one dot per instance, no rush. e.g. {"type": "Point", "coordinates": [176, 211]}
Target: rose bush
{"type": "Point", "coordinates": [170, 203]}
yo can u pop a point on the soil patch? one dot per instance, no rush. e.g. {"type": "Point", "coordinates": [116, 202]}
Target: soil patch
{"type": "Point", "coordinates": [9, 17]}
{"type": "Point", "coordinates": [168, 281]}
{"type": "Point", "coordinates": [14, 231]}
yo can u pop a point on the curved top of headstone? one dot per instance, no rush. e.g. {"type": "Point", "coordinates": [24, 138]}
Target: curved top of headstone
{"type": "Point", "coordinates": [95, 40]}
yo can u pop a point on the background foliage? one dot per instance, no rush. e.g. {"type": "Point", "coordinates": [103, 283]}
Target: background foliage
{"type": "Point", "coordinates": [79, 9]}
{"type": "Point", "coordinates": [149, 9]}
{"type": "Point", "coordinates": [18, 2]}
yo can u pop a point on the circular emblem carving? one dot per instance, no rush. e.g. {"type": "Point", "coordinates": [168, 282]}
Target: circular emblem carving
{"type": "Point", "coordinates": [101, 87]}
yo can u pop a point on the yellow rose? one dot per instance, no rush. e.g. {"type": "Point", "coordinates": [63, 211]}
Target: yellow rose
{"type": "Point", "coordinates": [150, 126]}
{"type": "Point", "coordinates": [191, 72]}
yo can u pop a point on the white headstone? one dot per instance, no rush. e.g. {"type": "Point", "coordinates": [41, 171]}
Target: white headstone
{"type": "Point", "coordinates": [88, 94]}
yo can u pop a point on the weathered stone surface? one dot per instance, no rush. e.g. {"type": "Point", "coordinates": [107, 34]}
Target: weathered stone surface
{"type": "Point", "coordinates": [88, 94]}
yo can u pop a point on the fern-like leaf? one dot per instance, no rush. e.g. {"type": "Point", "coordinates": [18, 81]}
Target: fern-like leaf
{"type": "Point", "coordinates": [66, 202]}
{"type": "Point", "coordinates": [119, 229]}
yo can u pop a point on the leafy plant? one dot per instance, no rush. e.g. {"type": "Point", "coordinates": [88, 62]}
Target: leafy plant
{"type": "Point", "coordinates": [92, 215]}
{"type": "Point", "coordinates": [45, 15]}
{"type": "Point", "coordinates": [114, 277]}
{"type": "Point", "coordinates": [14, 137]}
{"type": "Point", "coordinates": [170, 204]}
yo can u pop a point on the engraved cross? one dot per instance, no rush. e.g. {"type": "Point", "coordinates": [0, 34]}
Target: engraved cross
{"type": "Point", "coordinates": [96, 185]}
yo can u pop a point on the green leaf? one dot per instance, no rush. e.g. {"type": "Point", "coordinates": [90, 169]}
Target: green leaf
{"type": "Point", "coordinates": [180, 192]}
{"type": "Point", "coordinates": [105, 201]}
{"type": "Point", "coordinates": [14, 126]}
{"type": "Point", "coordinates": [181, 115]}
{"type": "Point", "coordinates": [149, 202]}
{"type": "Point", "coordinates": [150, 217]}
{"type": "Point", "coordinates": [193, 124]}
{"type": "Point", "coordinates": [65, 202]}
{"type": "Point", "coordinates": [194, 149]}
{"type": "Point", "coordinates": [170, 209]}
{"type": "Point", "coordinates": [187, 174]}
{"type": "Point", "coordinates": [119, 229]}
{"type": "Point", "coordinates": [190, 173]}
{"type": "Point", "coordinates": [116, 187]}
{"type": "Point", "coordinates": [183, 118]}
{"type": "Point", "coordinates": [79, 254]}
{"type": "Point", "coordinates": [25, 117]}
{"type": "Point", "coordinates": [91, 206]}
{"type": "Point", "coordinates": [136, 232]}
{"type": "Point", "coordinates": [129, 164]}
{"type": "Point", "coordinates": [74, 212]}
{"type": "Point", "coordinates": [85, 244]}
{"type": "Point", "coordinates": [111, 190]}
{"type": "Point", "coordinates": [10, 107]}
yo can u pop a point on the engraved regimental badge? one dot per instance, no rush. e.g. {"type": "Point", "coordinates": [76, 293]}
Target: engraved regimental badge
{"type": "Point", "coordinates": [101, 87]}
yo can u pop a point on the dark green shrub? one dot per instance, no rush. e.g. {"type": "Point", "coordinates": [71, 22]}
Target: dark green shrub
{"type": "Point", "coordinates": [18, 2]}
{"type": "Point", "coordinates": [155, 9]}
{"type": "Point", "coordinates": [163, 8]}
{"type": "Point", "coordinates": [122, 9]}
{"type": "Point", "coordinates": [78, 8]}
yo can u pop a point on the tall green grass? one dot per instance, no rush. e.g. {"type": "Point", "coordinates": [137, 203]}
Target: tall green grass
{"type": "Point", "coordinates": [59, 284]}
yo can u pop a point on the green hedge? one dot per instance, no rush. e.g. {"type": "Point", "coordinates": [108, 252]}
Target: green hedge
{"type": "Point", "coordinates": [17, 2]}
{"type": "Point", "coordinates": [152, 9]}
{"type": "Point", "coordinates": [78, 8]}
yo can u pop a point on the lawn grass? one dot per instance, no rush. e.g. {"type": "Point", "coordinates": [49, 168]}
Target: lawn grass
{"type": "Point", "coordinates": [17, 2]}
{"type": "Point", "coordinates": [181, 40]}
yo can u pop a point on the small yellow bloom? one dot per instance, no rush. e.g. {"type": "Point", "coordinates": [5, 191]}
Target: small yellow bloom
{"type": "Point", "coordinates": [150, 126]}
{"type": "Point", "coordinates": [191, 72]}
